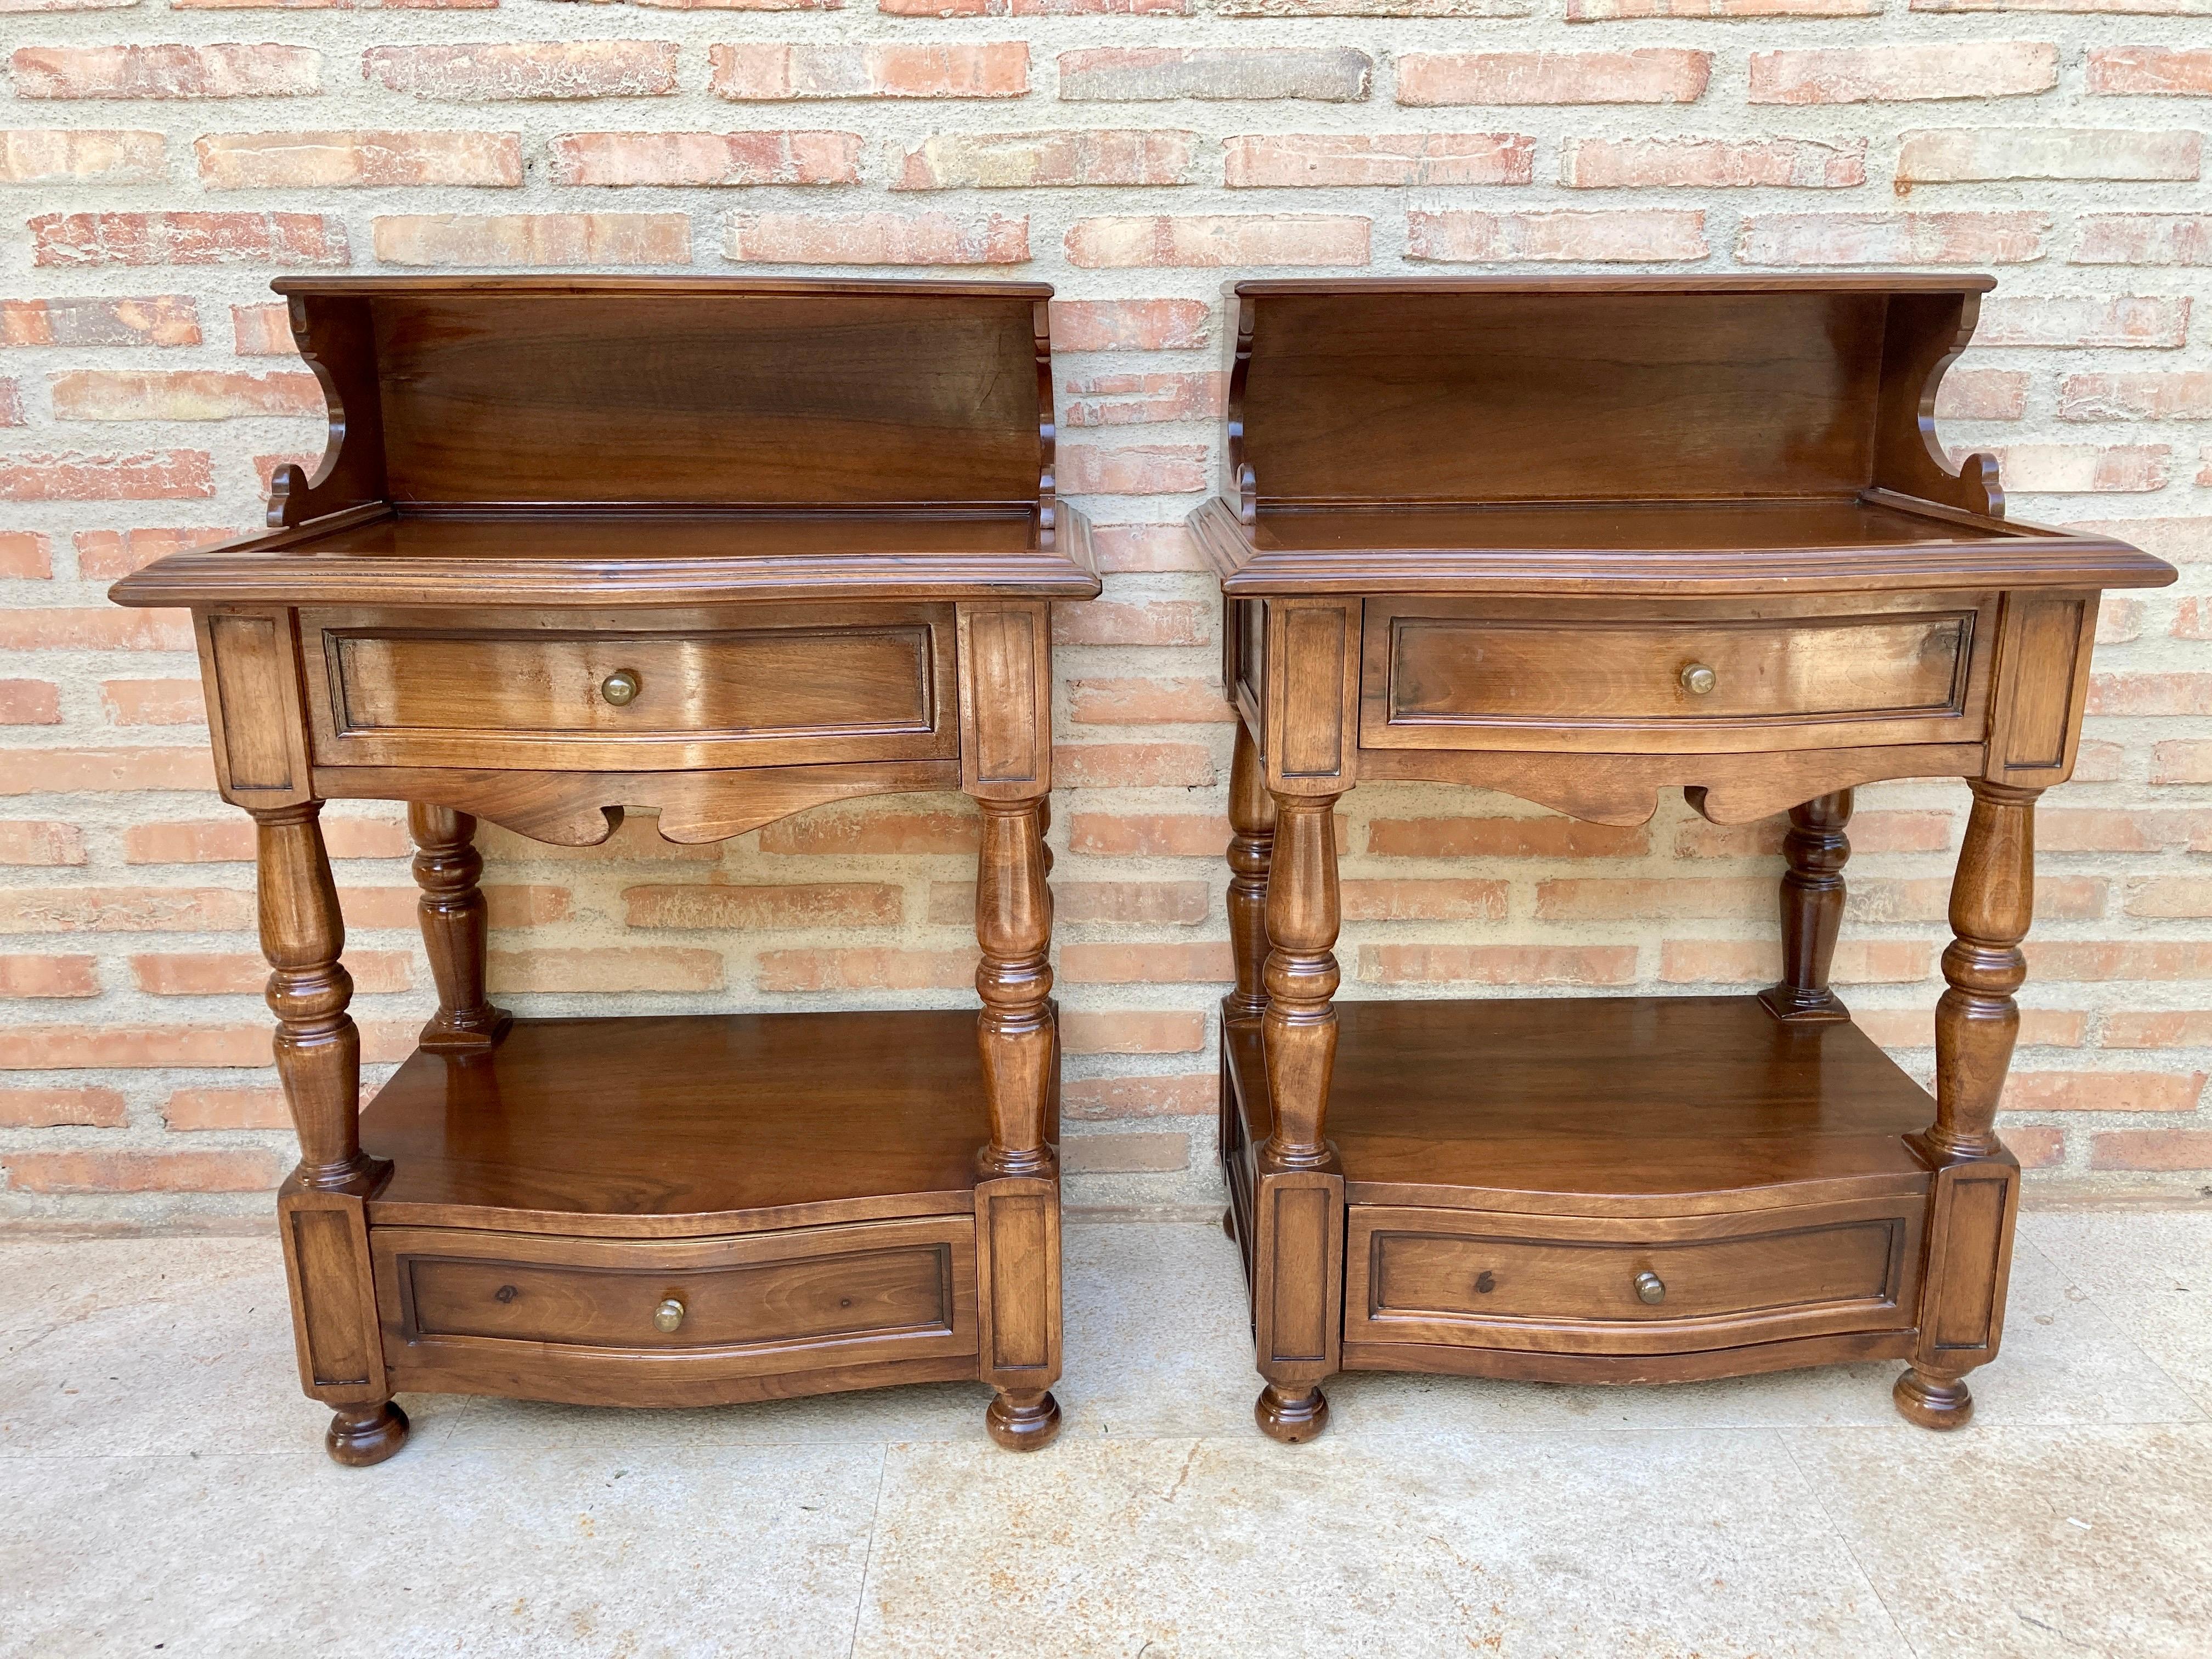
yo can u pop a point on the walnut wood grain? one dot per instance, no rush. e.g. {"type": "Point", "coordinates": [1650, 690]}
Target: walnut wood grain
{"type": "Point", "coordinates": [1816, 848]}
{"type": "Point", "coordinates": [447, 868]}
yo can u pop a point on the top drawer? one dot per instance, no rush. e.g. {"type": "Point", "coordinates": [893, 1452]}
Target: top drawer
{"type": "Point", "coordinates": [773, 684]}
{"type": "Point", "coordinates": [1674, 678]}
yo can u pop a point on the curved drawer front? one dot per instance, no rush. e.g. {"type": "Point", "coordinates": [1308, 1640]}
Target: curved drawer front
{"type": "Point", "coordinates": [1589, 1284]}
{"type": "Point", "coordinates": [1503, 674]}
{"type": "Point", "coordinates": [787, 686]}
{"type": "Point", "coordinates": [507, 1304]}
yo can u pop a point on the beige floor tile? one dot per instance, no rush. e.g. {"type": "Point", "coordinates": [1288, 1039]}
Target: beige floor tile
{"type": "Point", "coordinates": [2151, 1274]}
{"type": "Point", "coordinates": [1655, 1547]}
{"type": "Point", "coordinates": [1159, 1341]}
{"type": "Point", "coordinates": [2084, 1543]}
{"type": "Point", "coordinates": [759, 1551]}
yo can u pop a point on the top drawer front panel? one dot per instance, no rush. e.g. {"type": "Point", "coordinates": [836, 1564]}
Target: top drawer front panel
{"type": "Point", "coordinates": [1450, 674]}
{"type": "Point", "coordinates": [782, 685]}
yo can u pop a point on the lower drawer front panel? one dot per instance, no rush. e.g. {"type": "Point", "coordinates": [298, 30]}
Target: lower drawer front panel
{"type": "Point", "coordinates": [856, 1294]}
{"type": "Point", "coordinates": [1581, 1284]}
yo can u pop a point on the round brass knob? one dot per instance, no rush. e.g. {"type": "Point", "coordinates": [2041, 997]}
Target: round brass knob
{"type": "Point", "coordinates": [1649, 1287]}
{"type": "Point", "coordinates": [1699, 680]}
{"type": "Point", "coordinates": [620, 687]}
{"type": "Point", "coordinates": [669, 1315]}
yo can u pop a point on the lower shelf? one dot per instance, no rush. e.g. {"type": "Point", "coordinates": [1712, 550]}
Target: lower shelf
{"type": "Point", "coordinates": [1615, 1190]}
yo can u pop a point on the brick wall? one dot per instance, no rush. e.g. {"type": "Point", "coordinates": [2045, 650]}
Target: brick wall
{"type": "Point", "coordinates": [158, 163]}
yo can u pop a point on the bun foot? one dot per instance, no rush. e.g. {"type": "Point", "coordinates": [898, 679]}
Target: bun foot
{"type": "Point", "coordinates": [1023, 1422]}
{"type": "Point", "coordinates": [366, 1435]}
{"type": "Point", "coordinates": [1228, 1222]}
{"type": "Point", "coordinates": [1291, 1418]}
{"type": "Point", "coordinates": [1934, 1401]}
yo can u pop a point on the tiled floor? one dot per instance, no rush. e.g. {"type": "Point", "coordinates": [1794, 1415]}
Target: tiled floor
{"type": "Point", "coordinates": [162, 1485]}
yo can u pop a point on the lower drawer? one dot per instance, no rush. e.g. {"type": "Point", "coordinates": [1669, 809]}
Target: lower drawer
{"type": "Point", "coordinates": [643, 1321]}
{"type": "Point", "coordinates": [1629, 1285]}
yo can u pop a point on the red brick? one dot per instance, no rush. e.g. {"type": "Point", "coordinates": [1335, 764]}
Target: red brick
{"type": "Point", "coordinates": [1712, 163]}
{"type": "Point", "coordinates": [1320, 158]}
{"type": "Point", "coordinates": [1738, 961]}
{"type": "Point", "coordinates": [124, 909]}
{"type": "Point", "coordinates": [1215, 239]}
{"type": "Point", "coordinates": [168, 319]}
{"type": "Point", "coordinates": [106, 555]}
{"type": "Point", "coordinates": [843, 830]}
{"type": "Point", "coordinates": [706, 158]}
{"type": "Point", "coordinates": [1649, 75]}
{"type": "Point", "coordinates": [166, 475]}
{"type": "Point", "coordinates": [26, 555]}
{"type": "Point", "coordinates": [2110, 829]}
{"type": "Point", "coordinates": [2185, 396]}
{"type": "Point", "coordinates": [1121, 1032]}
{"type": "Point", "coordinates": [2037, 1145]}
{"type": "Point", "coordinates": [1156, 74]}
{"type": "Point", "coordinates": [510, 904]}
{"type": "Point", "coordinates": [1870, 832]}
{"type": "Point", "coordinates": [1509, 838]}
{"type": "Point", "coordinates": [49, 976]}
{"type": "Point", "coordinates": [806, 904]}
{"type": "Point", "coordinates": [1034, 8]}
{"type": "Point", "coordinates": [239, 1170]}
{"type": "Point", "coordinates": [2184, 898]}
{"type": "Point", "coordinates": [534, 239]}
{"type": "Point", "coordinates": [2181, 761]}
{"type": "Point", "coordinates": [1971, 154]}
{"type": "Point", "coordinates": [30, 702]}
{"type": "Point", "coordinates": [1131, 470]}
{"type": "Point", "coordinates": [189, 1109]}
{"type": "Point", "coordinates": [1028, 161]}
{"type": "Point", "coordinates": [605, 969]}
{"type": "Point", "coordinates": [11, 403]}
{"type": "Point", "coordinates": [59, 1108]}
{"type": "Point", "coordinates": [1928, 898]}
{"type": "Point", "coordinates": [200, 394]}
{"type": "Point", "coordinates": [2183, 694]}
{"type": "Point", "coordinates": [1131, 766]}
{"type": "Point", "coordinates": [1893, 239]}
{"type": "Point", "coordinates": [2151, 1149]}
{"type": "Point", "coordinates": [877, 239]}
{"type": "Point", "coordinates": [108, 627]}
{"type": "Point", "coordinates": [2159, 322]}
{"type": "Point", "coordinates": [1607, 11]}
{"type": "Point", "coordinates": [87, 157]}
{"type": "Point", "coordinates": [1169, 903]}
{"type": "Point", "coordinates": [262, 331]}
{"type": "Point", "coordinates": [1497, 964]}
{"type": "Point", "coordinates": [1147, 702]}
{"type": "Point", "coordinates": [2145, 239]}
{"type": "Point", "coordinates": [76, 240]}
{"type": "Point", "coordinates": [2151, 71]}
{"type": "Point", "coordinates": [1128, 547]}
{"type": "Point", "coordinates": [2094, 961]}
{"type": "Point", "coordinates": [166, 71]}
{"type": "Point", "coordinates": [243, 973]}
{"type": "Point", "coordinates": [2119, 619]}
{"type": "Point", "coordinates": [766, 73]}
{"type": "Point", "coordinates": [2160, 1028]}
{"type": "Point", "coordinates": [1983, 394]}
{"type": "Point", "coordinates": [1149, 835]}
{"type": "Point", "coordinates": [1129, 1154]}
{"type": "Point", "coordinates": [98, 771]}
{"type": "Point", "coordinates": [1130, 325]}
{"type": "Point", "coordinates": [1115, 622]}
{"type": "Point", "coordinates": [2085, 468]}
{"type": "Point", "coordinates": [74, 1048]}
{"type": "Point", "coordinates": [30, 842]}
{"type": "Point", "coordinates": [485, 72]}
{"type": "Point", "coordinates": [2103, 1091]}
{"type": "Point", "coordinates": [1138, 399]}
{"type": "Point", "coordinates": [345, 159]}
{"type": "Point", "coordinates": [873, 968]}
{"type": "Point", "coordinates": [1641, 235]}
{"type": "Point", "coordinates": [1915, 1028]}
{"type": "Point", "coordinates": [153, 702]}
{"type": "Point", "coordinates": [1146, 964]}
{"type": "Point", "coordinates": [1582, 899]}
{"type": "Point", "coordinates": [1858, 75]}
{"type": "Point", "coordinates": [1373, 7]}
{"type": "Point", "coordinates": [1148, 1095]}
{"type": "Point", "coordinates": [1401, 898]}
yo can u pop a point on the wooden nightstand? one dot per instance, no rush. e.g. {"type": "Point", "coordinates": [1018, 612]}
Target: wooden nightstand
{"type": "Point", "coordinates": [726, 548]}
{"type": "Point", "coordinates": [1580, 540]}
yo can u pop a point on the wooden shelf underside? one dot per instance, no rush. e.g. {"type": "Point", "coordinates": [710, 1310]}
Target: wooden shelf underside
{"type": "Point", "coordinates": [1619, 1105]}
{"type": "Point", "coordinates": [673, 1126]}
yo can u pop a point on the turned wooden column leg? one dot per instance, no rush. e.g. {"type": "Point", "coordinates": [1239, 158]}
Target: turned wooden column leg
{"type": "Point", "coordinates": [1976, 1181]}
{"type": "Point", "coordinates": [1017, 1201]}
{"type": "Point", "coordinates": [321, 1209]}
{"type": "Point", "coordinates": [447, 867]}
{"type": "Point", "coordinates": [1251, 850]}
{"type": "Point", "coordinates": [1812, 909]}
{"type": "Point", "coordinates": [1298, 1246]}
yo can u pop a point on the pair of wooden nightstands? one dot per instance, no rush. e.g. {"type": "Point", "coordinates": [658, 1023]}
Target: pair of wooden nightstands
{"type": "Point", "coordinates": [731, 549]}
